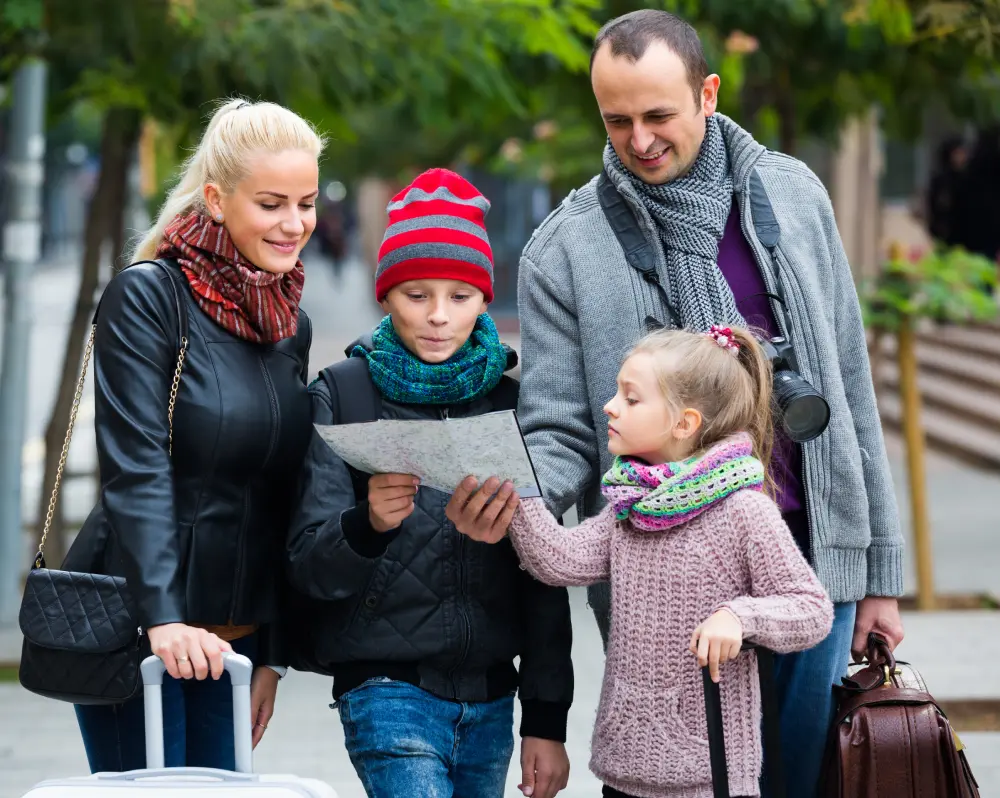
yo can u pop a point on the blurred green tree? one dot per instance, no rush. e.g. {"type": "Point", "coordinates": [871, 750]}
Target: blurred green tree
{"type": "Point", "coordinates": [791, 70]}
{"type": "Point", "coordinates": [169, 60]}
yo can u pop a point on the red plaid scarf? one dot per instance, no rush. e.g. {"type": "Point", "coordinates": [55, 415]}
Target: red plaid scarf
{"type": "Point", "coordinates": [251, 303]}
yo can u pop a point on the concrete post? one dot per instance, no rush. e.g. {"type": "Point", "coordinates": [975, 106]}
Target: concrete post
{"type": "Point", "coordinates": [22, 237]}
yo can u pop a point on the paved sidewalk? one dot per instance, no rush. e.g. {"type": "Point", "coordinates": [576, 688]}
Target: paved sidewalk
{"type": "Point", "coordinates": [305, 735]}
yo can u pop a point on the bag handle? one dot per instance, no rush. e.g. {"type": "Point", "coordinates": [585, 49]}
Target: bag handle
{"type": "Point", "coordinates": [78, 395]}
{"type": "Point", "coordinates": [773, 777]}
{"type": "Point", "coordinates": [881, 665]}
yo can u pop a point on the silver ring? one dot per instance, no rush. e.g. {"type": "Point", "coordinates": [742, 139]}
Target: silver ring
{"type": "Point", "coordinates": [182, 659]}
{"type": "Point", "coordinates": [261, 725]}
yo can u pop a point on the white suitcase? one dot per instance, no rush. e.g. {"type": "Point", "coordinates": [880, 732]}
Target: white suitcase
{"type": "Point", "coordinates": [157, 781]}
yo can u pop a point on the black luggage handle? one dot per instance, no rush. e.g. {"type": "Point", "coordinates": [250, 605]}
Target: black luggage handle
{"type": "Point", "coordinates": [773, 775]}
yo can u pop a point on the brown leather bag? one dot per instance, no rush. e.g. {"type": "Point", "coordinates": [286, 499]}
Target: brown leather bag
{"type": "Point", "coordinates": [890, 738]}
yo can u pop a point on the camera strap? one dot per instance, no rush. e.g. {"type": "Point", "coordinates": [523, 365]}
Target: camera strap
{"type": "Point", "coordinates": [768, 231]}
{"type": "Point", "coordinates": [640, 254]}
{"type": "Point", "coordinates": [638, 251]}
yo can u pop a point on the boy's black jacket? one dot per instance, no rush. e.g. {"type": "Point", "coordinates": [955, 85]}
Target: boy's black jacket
{"type": "Point", "coordinates": [422, 604]}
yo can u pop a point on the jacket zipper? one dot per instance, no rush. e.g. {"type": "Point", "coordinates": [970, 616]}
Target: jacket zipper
{"type": "Point", "coordinates": [239, 558]}
{"type": "Point", "coordinates": [274, 415]}
{"type": "Point", "coordinates": [271, 446]}
{"type": "Point", "coordinates": [780, 320]}
{"type": "Point", "coordinates": [466, 631]}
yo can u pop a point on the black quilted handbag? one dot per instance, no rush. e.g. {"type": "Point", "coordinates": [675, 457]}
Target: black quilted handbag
{"type": "Point", "coordinates": [82, 642]}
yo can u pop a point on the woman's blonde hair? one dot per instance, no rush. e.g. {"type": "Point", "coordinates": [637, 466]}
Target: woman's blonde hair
{"type": "Point", "coordinates": [733, 394]}
{"type": "Point", "coordinates": [237, 129]}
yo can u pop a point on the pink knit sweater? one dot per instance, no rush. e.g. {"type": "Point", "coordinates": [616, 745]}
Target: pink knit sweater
{"type": "Point", "coordinates": [650, 737]}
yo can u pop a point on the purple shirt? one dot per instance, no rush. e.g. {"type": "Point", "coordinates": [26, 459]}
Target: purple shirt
{"type": "Point", "coordinates": [739, 266]}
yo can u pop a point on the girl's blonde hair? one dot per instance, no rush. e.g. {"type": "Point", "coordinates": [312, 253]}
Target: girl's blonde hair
{"type": "Point", "coordinates": [733, 394]}
{"type": "Point", "coordinates": [236, 131]}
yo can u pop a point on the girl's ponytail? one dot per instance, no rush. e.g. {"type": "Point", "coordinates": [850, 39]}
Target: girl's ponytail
{"type": "Point", "coordinates": [761, 422]}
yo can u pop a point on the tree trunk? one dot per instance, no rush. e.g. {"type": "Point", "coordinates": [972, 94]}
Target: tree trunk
{"type": "Point", "coordinates": [785, 106]}
{"type": "Point", "coordinates": [913, 433]}
{"type": "Point", "coordinates": [104, 217]}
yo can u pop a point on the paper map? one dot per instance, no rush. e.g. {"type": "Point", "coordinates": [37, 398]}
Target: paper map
{"type": "Point", "coordinates": [441, 453]}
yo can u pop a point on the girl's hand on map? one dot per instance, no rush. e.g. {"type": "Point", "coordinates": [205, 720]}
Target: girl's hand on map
{"type": "Point", "coordinates": [483, 514]}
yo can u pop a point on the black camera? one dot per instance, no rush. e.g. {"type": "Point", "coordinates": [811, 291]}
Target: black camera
{"type": "Point", "coordinates": [804, 412]}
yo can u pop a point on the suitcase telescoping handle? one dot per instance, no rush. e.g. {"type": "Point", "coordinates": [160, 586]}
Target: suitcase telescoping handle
{"type": "Point", "coordinates": [774, 776]}
{"type": "Point", "coordinates": [240, 670]}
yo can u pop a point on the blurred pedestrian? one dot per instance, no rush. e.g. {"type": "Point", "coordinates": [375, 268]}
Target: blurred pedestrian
{"type": "Point", "coordinates": [981, 203]}
{"type": "Point", "coordinates": [945, 205]}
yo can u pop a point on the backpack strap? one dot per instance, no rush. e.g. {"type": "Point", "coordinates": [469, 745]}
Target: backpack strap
{"type": "Point", "coordinates": [638, 251]}
{"type": "Point", "coordinates": [354, 400]}
{"type": "Point", "coordinates": [353, 395]}
{"type": "Point", "coordinates": [504, 396]}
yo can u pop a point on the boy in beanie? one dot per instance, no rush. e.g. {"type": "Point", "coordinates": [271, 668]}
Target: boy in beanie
{"type": "Point", "coordinates": [422, 625]}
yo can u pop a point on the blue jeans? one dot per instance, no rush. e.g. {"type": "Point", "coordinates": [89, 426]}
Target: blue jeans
{"type": "Point", "coordinates": [197, 725]}
{"type": "Point", "coordinates": [805, 681]}
{"type": "Point", "coordinates": [404, 741]}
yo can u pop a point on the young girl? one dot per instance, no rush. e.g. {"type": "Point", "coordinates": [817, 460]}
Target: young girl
{"type": "Point", "coordinates": [420, 632]}
{"type": "Point", "coordinates": [699, 561]}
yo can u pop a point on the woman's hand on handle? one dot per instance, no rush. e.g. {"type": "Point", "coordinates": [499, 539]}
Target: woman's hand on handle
{"type": "Point", "coordinates": [188, 652]}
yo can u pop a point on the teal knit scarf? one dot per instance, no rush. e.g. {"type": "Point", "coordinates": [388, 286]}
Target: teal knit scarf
{"type": "Point", "coordinates": [400, 376]}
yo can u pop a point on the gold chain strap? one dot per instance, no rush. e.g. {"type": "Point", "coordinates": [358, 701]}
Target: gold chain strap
{"type": "Point", "coordinates": [173, 393]}
{"type": "Point", "coordinates": [65, 449]}
{"type": "Point", "coordinates": [77, 396]}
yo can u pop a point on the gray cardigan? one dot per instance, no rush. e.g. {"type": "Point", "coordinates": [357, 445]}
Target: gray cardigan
{"type": "Point", "coordinates": [582, 308]}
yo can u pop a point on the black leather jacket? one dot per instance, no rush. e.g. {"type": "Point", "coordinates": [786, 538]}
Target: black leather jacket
{"type": "Point", "coordinates": [424, 603]}
{"type": "Point", "coordinates": [198, 534]}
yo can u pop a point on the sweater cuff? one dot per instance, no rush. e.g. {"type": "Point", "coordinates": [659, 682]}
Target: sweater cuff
{"type": "Point", "coordinates": [360, 535]}
{"type": "Point", "coordinates": [885, 571]}
{"type": "Point", "coordinates": [544, 719]}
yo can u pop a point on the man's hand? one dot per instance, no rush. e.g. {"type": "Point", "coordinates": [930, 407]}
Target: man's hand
{"type": "Point", "coordinates": [480, 514]}
{"type": "Point", "coordinates": [390, 500]}
{"type": "Point", "coordinates": [876, 614]}
{"type": "Point", "coordinates": [263, 689]}
{"type": "Point", "coordinates": [544, 767]}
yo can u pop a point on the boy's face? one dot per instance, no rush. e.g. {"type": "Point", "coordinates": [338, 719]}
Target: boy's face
{"type": "Point", "coordinates": [433, 318]}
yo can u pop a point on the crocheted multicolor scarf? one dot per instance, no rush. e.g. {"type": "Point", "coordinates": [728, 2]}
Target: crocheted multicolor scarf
{"type": "Point", "coordinates": [400, 376]}
{"type": "Point", "coordinates": [658, 497]}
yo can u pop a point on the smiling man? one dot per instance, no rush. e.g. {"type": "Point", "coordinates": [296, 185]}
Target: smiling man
{"type": "Point", "coordinates": [728, 223]}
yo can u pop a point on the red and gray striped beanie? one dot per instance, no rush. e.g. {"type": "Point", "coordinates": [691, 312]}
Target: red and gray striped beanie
{"type": "Point", "coordinates": [437, 230]}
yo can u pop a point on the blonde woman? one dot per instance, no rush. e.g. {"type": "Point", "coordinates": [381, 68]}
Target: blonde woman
{"type": "Point", "coordinates": [193, 513]}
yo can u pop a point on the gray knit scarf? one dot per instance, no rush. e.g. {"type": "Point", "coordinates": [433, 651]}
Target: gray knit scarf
{"type": "Point", "coordinates": [690, 214]}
